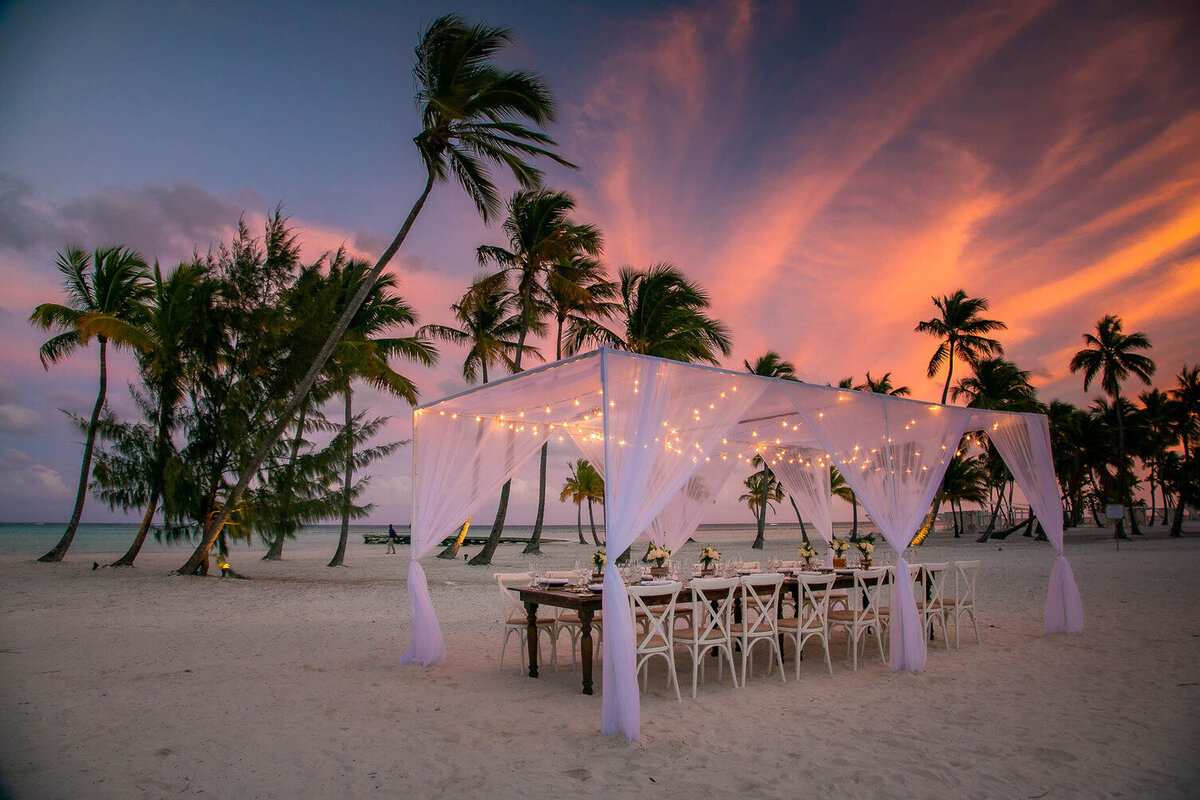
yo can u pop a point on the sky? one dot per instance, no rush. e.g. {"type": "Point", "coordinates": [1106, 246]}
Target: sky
{"type": "Point", "coordinates": [823, 169]}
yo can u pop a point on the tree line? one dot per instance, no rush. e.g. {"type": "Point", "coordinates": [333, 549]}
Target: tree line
{"type": "Point", "coordinates": [241, 351]}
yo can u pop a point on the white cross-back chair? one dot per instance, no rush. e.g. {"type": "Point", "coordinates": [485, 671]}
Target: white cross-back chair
{"type": "Point", "coordinates": [812, 621]}
{"type": "Point", "coordinates": [916, 577]}
{"type": "Point", "coordinates": [515, 620]}
{"type": "Point", "coordinates": [963, 602]}
{"type": "Point", "coordinates": [760, 623]}
{"type": "Point", "coordinates": [568, 621]}
{"type": "Point", "coordinates": [862, 618]}
{"type": "Point", "coordinates": [655, 605]}
{"type": "Point", "coordinates": [712, 616]}
{"type": "Point", "coordinates": [931, 602]}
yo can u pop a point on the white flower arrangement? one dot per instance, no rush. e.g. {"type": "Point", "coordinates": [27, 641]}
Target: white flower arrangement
{"type": "Point", "coordinates": [806, 552]}
{"type": "Point", "coordinates": [599, 559]}
{"type": "Point", "coordinates": [709, 556]}
{"type": "Point", "coordinates": [839, 547]}
{"type": "Point", "coordinates": [658, 555]}
{"type": "Point", "coordinates": [865, 547]}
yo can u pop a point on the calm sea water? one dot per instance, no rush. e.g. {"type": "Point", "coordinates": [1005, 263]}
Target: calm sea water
{"type": "Point", "coordinates": [36, 538]}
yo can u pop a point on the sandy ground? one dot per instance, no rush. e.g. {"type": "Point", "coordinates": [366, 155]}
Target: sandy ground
{"type": "Point", "coordinates": [133, 683]}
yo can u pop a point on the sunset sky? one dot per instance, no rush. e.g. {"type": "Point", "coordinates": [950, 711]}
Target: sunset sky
{"type": "Point", "coordinates": [822, 169]}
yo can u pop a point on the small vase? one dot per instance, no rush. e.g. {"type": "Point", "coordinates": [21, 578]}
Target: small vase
{"type": "Point", "coordinates": [865, 563]}
{"type": "Point", "coordinates": [839, 563]}
{"type": "Point", "coordinates": [658, 572]}
{"type": "Point", "coordinates": [597, 577]}
{"type": "Point", "coordinates": [708, 572]}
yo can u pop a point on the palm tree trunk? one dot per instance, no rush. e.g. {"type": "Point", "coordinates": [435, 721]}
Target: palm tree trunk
{"type": "Point", "coordinates": [1153, 502]}
{"type": "Point", "coordinates": [592, 520]}
{"type": "Point", "coordinates": [59, 550]}
{"type": "Point", "coordinates": [760, 518]}
{"type": "Point", "coordinates": [579, 522]}
{"type": "Point", "coordinates": [854, 509]}
{"type": "Point", "coordinates": [251, 469]}
{"type": "Point", "coordinates": [340, 555]}
{"type": "Point", "coordinates": [275, 553]}
{"type": "Point", "coordinates": [1177, 520]}
{"type": "Point", "coordinates": [803, 532]}
{"type": "Point", "coordinates": [949, 372]}
{"type": "Point", "coordinates": [1126, 500]}
{"type": "Point", "coordinates": [535, 539]}
{"type": "Point", "coordinates": [135, 548]}
{"type": "Point", "coordinates": [484, 556]}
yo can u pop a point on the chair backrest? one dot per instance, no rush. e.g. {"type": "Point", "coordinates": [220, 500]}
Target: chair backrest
{"type": "Point", "coordinates": [814, 600]}
{"type": "Point", "coordinates": [965, 573]}
{"type": "Point", "coordinates": [712, 605]}
{"type": "Point", "coordinates": [654, 607]}
{"type": "Point", "coordinates": [916, 577]}
{"type": "Point", "coordinates": [759, 606]}
{"type": "Point", "coordinates": [508, 581]}
{"type": "Point", "coordinates": [934, 578]}
{"type": "Point", "coordinates": [868, 591]}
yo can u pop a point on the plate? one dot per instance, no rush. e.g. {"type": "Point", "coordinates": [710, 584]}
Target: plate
{"type": "Point", "coordinates": [748, 571]}
{"type": "Point", "coordinates": [596, 587]}
{"type": "Point", "coordinates": [657, 583]}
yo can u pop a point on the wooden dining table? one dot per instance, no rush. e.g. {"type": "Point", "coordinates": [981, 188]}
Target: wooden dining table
{"type": "Point", "coordinates": [586, 603]}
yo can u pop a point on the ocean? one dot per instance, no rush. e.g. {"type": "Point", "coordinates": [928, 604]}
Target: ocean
{"type": "Point", "coordinates": [34, 539]}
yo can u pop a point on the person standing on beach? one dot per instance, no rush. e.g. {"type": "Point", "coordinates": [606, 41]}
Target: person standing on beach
{"type": "Point", "coordinates": [392, 537]}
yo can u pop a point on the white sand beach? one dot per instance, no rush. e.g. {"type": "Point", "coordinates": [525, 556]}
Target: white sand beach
{"type": "Point", "coordinates": [133, 683]}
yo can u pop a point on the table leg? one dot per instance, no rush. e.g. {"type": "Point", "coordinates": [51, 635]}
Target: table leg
{"type": "Point", "coordinates": [531, 634]}
{"type": "Point", "coordinates": [585, 647]}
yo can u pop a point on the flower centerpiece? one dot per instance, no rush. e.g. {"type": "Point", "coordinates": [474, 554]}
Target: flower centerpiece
{"type": "Point", "coordinates": [599, 559]}
{"type": "Point", "coordinates": [839, 548]}
{"type": "Point", "coordinates": [807, 553]}
{"type": "Point", "coordinates": [658, 556]}
{"type": "Point", "coordinates": [708, 560]}
{"type": "Point", "coordinates": [865, 548]}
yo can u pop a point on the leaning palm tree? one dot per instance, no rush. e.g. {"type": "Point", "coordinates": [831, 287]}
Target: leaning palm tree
{"type": "Point", "coordinates": [540, 234]}
{"type": "Point", "coordinates": [961, 330]}
{"type": "Point", "coordinates": [839, 488]}
{"type": "Point", "coordinates": [763, 489]}
{"type": "Point", "coordinates": [366, 355]}
{"type": "Point", "coordinates": [591, 485]}
{"type": "Point", "coordinates": [472, 113]}
{"type": "Point", "coordinates": [666, 315]}
{"type": "Point", "coordinates": [1111, 354]}
{"type": "Point", "coordinates": [573, 490]}
{"type": "Point", "coordinates": [106, 295]}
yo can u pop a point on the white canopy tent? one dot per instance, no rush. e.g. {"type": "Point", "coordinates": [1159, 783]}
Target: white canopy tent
{"type": "Point", "coordinates": [666, 435]}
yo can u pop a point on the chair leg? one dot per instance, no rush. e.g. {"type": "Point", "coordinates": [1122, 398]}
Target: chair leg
{"type": "Point", "coordinates": [975, 625]}
{"type": "Point", "coordinates": [503, 646]}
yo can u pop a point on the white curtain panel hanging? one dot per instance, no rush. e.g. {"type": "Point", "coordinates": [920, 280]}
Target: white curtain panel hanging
{"type": "Point", "coordinates": [893, 453]}
{"type": "Point", "coordinates": [1023, 441]}
{"type": "Point", "coordinates": [679, 520]}
{"type": "Point", "coordinates": [662, 419]}
{"type": "Point", "coordinates": [465, 447]}
{"type": "Point", "coordinates": [804, 474]}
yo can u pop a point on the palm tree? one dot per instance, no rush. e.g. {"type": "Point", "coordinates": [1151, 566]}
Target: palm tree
{"type": "Point", "coordinates": [591, 486]}
{"type": "Point", "coordinates": [1186, 424]}
{"type": "Point", "coordinates": [1110, 353]}
{"type": "Point", "coordinates": [965, 481]}
{"type": "Point", "coordinates": [997, 385]}
{"type": "Point", "coordinates": [772, 365]}
{"type": "Point", "coordinates": [488, 327]}
{"type": "Point", "coordinates": [472, 113]}
{"type": "Point", "coordinates": [106, 294]}
{"type": "Point", "coordinates": [365, 355]}
{"type": "Point", "coordinates": [1158, 412]}
{"type": "Point", "coordinates": [839, 488]}
{"type": "Point", "coordinates": [573, 490]}
{"type": "Point", "coordinates": [883, 386]}
{"type": "Point", "coordinates": [176, 301]}
{"type": "Point", "coordinates": [541, 234]}
{"type": "Point", "coordinates": [666, 315]}
{"type": "Point", "coordinates": [763, 489]}
{"type": "Point", "coordinates": [961, 330]}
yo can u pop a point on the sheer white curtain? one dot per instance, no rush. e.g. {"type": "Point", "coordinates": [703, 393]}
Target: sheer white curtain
{"type": "Point", "coordinates": [805, 476]}
{"type": "Point", "coordinates": [661, 420]}
{"type": "Point", "coordinates": [466, 446]}
{"type": "Point", "coordinates": [1023, 441]}
{"type": "Point", "coordinates": [893, 452]}
{"type": "Point", "coordinates": [679, 520]}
